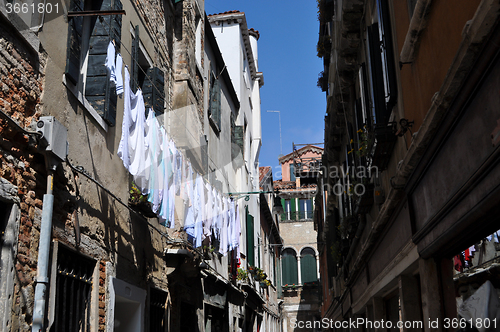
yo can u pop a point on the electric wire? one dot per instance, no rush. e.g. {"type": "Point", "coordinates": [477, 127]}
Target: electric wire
{"type": "Point", "coordinates": [81, 170]}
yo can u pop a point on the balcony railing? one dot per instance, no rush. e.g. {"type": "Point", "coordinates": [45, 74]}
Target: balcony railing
{"type": "Point", "coordinates": [306, 166]}
{"type": "Point", "coordinates": [296, 216]}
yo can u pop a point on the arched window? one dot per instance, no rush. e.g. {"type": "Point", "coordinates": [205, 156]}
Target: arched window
{"type": "Point", "coordinates": [289, 264]}
{"type": "Point", "coordinates": [308, 269]}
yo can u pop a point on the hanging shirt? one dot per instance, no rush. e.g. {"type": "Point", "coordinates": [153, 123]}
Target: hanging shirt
{"type": "Point", "coordinates": [189, 220]}
{"type": "Point", "coordinates": [155, 157]}
{"type": "Point", "coordinates": [234, 234]}
{"type": "Point", "coordinates": [178, 162]}
{"type": "Point", "coordinates": [136, 139]}
{"type": "Point", "coordinates": [199, 205]}
{"type": "Point", "coordinates": [128, 122]}
{"type": "Point", "coordinates": [110, 62]}
{"type": "Point", "coordinates": [142, 178]}
{"type": "Point", "coordinates": [209, 209]}
{"type": "Point", "coordinates": [157, 197]}
{"type": "Point", "coordinates": [237, 231]}
{"type": "Point", "coordinates": [168, 199]}
{"type": "Point", "coordinates": [118, 73]}
{"type": "Point", "coordinates": [224, 231]}
{"type": "Point", "coordinates": [215, 215]}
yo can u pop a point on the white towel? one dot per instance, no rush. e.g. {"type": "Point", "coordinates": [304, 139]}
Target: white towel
{"type": "Point", "coordinates": [118, 74]}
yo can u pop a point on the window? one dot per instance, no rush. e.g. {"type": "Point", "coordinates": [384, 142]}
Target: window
{"type": "Point", "coordinates": [305, 208]}
{"type": "Point", "coordinates": [250, 239]}
{"type": "Point", "coordinates": [289, 270]}
{"type": "Point", "coordinates": [73, 287]}
{"type": "Point", "coordinates": [214, 105]}
{"type": "Point", "coordinates": [144, 75]}
{"type": "Point", "coordinates": [292, 172]}
{"type": "Point", "coordinates": [289, 209]}
{"type": "Point", "coordinates": [381, 61]}
{"type": "Point", "coordinates": [308, 268]}
{"type": "Point", "coordinates": [88, 40]}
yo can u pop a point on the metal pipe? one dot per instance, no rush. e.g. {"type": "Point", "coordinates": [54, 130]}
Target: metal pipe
{"type": "Point", "coordinates": [42, 279]}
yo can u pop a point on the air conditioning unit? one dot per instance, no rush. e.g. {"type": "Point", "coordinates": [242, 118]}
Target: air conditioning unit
{"type": "Point", "coordinates": [54, 137]}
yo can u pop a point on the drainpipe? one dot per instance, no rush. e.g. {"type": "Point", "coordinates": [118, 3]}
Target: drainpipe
{"type": "Point", "coordinates": [42, 279]}
{"type": "Point", "coordinates": [54, 139]}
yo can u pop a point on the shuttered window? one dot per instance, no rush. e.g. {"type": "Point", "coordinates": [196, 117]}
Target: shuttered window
{"type": "Point", "coordinates": [214, 107]}
{"type": "Point", "coordinates": [387, 54]}
{"type": "Point", "coordinates": [153, 89]}
{"type": "Point", "coordinates": [144, 75]}
{"type": "Point", "coordinates": [308, 268]}
{"type": "Point", "coordinates": [382, 67]}
{"type": "Point", "coordinates": [289, 267]}
{"type": "Point", "coordinates": [90, 36]}
{"type": "Point", "coordinates": [376, 71]}
{"type": "Point", "coordinates": [250, 239]}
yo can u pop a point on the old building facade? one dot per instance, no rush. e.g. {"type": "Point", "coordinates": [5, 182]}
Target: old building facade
{"type": "Point", "coordinates": [299, 256]}
{"type": "Point", "coordinates": [85, 242]}
{"type": "Point", "coordinates": [412, 164]}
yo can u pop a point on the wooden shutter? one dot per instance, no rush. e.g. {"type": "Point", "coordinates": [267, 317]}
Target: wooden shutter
{"type": "Point", "coordinates": [293, 209]}
{"type": "Point", "coordinates": [292, 172]}
{"type": "Point", "coordinates": [134, 68]}
{"type": "Point", "coordinates": [74, 45]}
{"type": "Point", "coordinates": [308, 269]}
{"type": "Point", "coordinates": [238, 137]}
{"type": "Point", "coordinates": [377, 75]}
{"type": "Point", "coordinates": [290, 275]}
{"type": "Point", "coordinates": [250, 240]}
{"type": "Point", "coordinates": [99, 91]}
{"type": "Point", "coordinates": [387, 55]}
{"type": "Point", "coordinates": [154, 96]}
{"type": "Point", "coordinates": [215, 103]}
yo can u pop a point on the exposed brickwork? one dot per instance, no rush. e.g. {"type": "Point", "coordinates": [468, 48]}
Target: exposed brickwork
{"type": "Point", "coordinates": [21, 87]}
{"type": "Point", "coordinates": [102, 296]}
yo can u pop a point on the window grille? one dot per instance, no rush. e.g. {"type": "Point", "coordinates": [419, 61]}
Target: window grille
{"type": "Point", "coordinates": [73, 290]}
{"type": "Point", "coordinates": [157, 310]}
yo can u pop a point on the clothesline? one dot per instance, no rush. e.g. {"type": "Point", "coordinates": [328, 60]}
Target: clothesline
{"type": "Point", "coordinates": [180, 120]}
{"type": "Point", "coordinates": [161, 172]}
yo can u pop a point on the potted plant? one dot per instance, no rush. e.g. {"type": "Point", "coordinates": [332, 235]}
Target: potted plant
{"type": "Point", "coordinates": [139, 202]}
{"type": "Point", "coordinates": [241, 275]}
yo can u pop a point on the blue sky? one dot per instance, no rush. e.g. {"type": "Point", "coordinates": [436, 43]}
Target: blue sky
{"type": "Point", "coordinates": [287, 57]}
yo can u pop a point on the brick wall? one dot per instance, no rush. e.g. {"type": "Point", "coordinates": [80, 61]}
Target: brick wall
{"type": "Point", "coordinates": [20, 92]}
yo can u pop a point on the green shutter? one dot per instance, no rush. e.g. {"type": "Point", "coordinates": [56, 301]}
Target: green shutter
{"type": "Point", "coordinates": [293, 209]}
{"type": "Point", "coordinates": [73, 50]}
{"type": "Point", "coordinates": [215, 102]}
{"type": "Point", "coordinates": [134, 68]}
{"type": "Point", "coordinates": [292, 172]}
{"type": "Point", "coordinates": [238, 137]}
{"type": "Point", "coordinates": [154, 95]}
{"type": "Point", "coordinates": [250, 240]}
{"type": "Point", "coordinates": [308, 269]}
{"type": "Point", "coordinates": [99, 91]}
{"type": "Point", "coordinates": [289, 271]}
